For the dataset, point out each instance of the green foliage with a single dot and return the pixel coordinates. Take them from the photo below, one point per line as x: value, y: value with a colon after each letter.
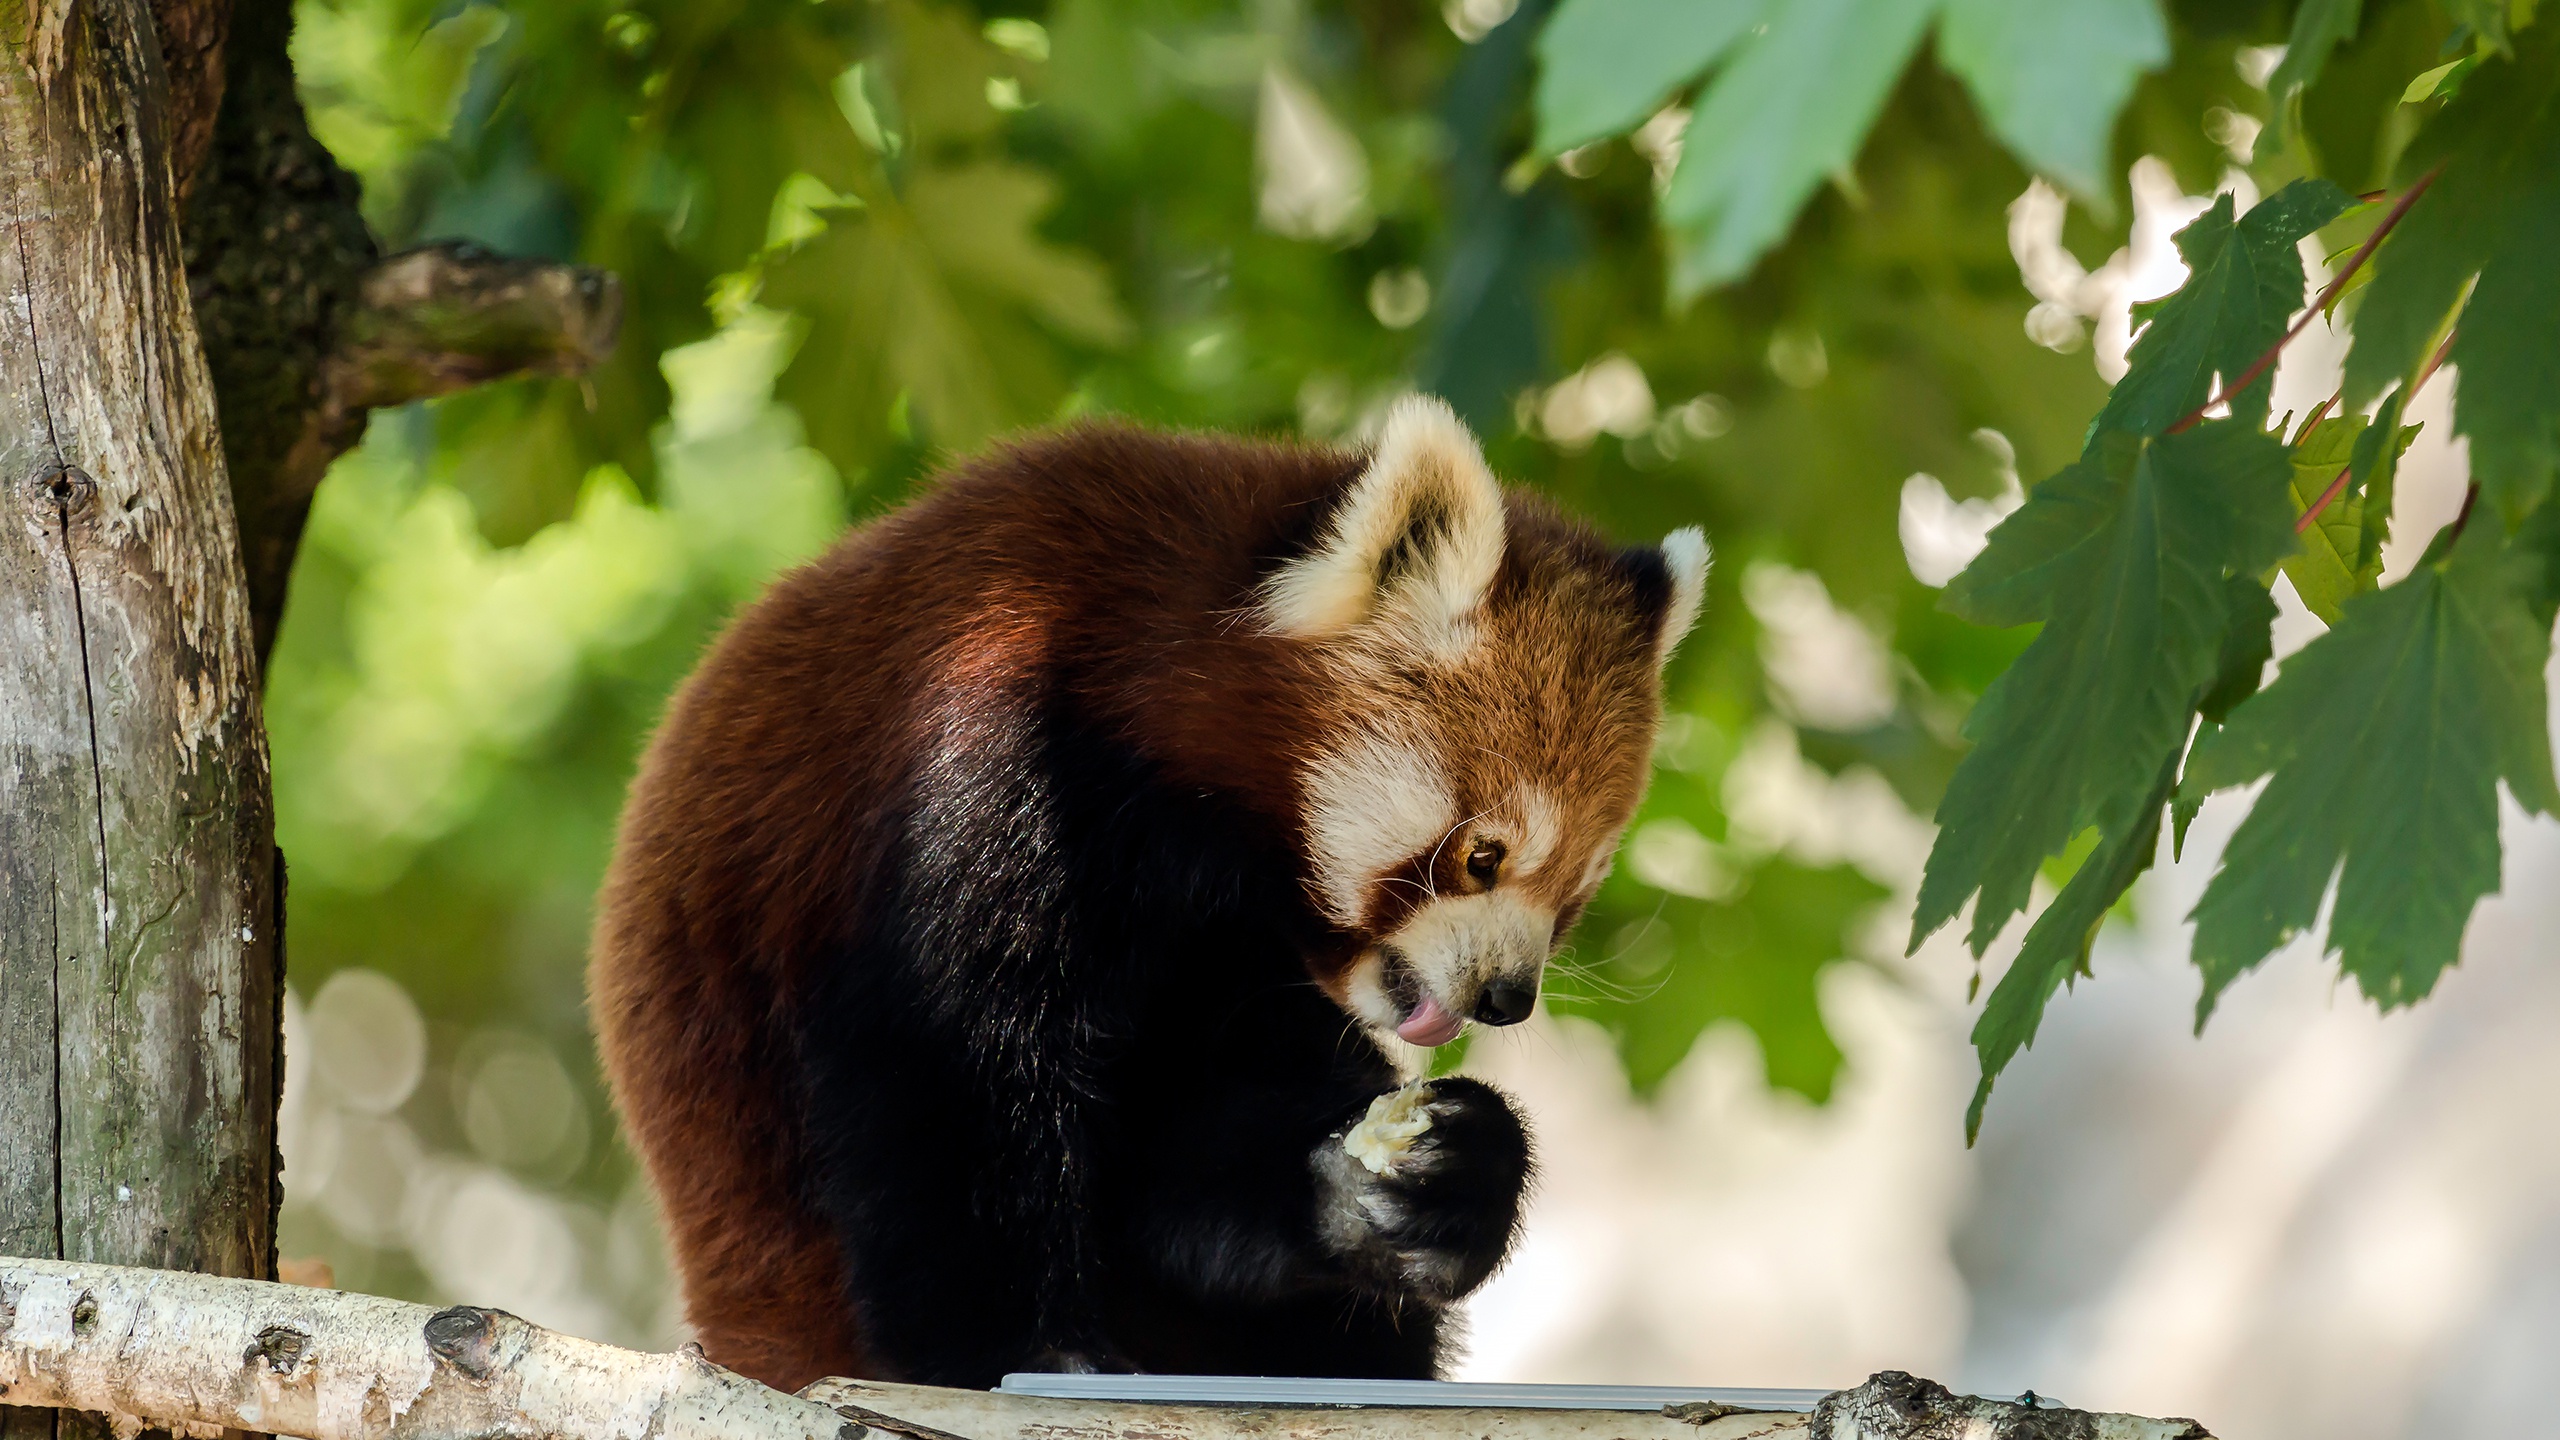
x: 2145, y: 562
x: 2386, y: 739
x: 2328, y: 565
x: 2051, y: 75
x: 2485, y: 223
x: 2057, y: 945
x: 1789, y: 110
x: 1609, y: 64
x: 2244, y: 283
x: 2319, y: 26
x: 1801, y: 83
x: 2122, y: 558
x: 1754, y: 957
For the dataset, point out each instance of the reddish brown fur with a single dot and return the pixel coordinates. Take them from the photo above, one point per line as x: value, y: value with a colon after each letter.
x: 1118, y: 565
x: 1563, y: 620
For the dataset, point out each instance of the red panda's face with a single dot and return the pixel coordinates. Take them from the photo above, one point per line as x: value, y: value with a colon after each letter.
x: 1492, y: 680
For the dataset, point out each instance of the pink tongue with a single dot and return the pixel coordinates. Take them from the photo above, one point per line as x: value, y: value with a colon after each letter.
x: 1429, y: 1024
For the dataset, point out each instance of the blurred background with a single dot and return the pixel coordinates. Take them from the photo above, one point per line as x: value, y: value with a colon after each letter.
x: 861, y: 235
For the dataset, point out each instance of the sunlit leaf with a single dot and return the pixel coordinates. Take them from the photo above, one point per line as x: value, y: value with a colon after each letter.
x: 2244, y: 284
x: 1604, y: 65
x: 2328, y: 565
x: 2050, y: 76
x: 1789, y: 108
x: 2372, y: 476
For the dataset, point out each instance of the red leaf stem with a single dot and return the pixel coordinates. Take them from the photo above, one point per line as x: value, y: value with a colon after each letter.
x: 2462, y: 517
x: 2363, y: 253
x: 2318, y: 413
x: 2313, y: 514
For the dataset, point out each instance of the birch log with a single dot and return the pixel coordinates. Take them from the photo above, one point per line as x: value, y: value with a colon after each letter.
x: 196, y: 1355
x: 138, y: 961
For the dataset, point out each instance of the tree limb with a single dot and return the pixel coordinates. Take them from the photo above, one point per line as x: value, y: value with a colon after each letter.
x: 438, y: 319
x: 442, y: 318
x: 195, y: 1354
x: 306, y: 327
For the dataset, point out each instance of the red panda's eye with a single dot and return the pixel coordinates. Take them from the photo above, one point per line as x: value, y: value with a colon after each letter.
x: 1485, y: 861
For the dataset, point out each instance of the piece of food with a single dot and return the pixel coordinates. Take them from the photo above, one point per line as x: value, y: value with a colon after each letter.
x: 1395, y: 1120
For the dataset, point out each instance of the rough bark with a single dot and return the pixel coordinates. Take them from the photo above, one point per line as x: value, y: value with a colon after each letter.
x: 138, y: 975
x: 191, y: 34
x: 275, y: 247
x: 307, y: 329
x: 193, y: 1354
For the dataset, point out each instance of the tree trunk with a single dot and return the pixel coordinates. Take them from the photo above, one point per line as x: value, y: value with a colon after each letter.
x: 140, y: 890
x: 138, y: 950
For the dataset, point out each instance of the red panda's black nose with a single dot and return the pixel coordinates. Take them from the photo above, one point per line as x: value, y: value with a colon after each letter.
x: 1506, y: 1002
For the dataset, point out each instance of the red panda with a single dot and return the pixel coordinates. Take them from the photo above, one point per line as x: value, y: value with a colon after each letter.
x: 1021, y: 903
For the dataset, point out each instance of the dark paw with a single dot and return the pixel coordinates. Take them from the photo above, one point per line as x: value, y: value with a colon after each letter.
x: 1423, y: 1201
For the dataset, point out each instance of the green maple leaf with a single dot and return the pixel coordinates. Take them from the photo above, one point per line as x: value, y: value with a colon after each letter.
x: 1605, y: 65
x: 927, y: 287
x: 2248, y: 643
x: 944, y: 292
x: 2372, y: 474
x: 2050, y: 76
x: 2334, y: 561
x: 2318, y: 27
x: 1790, y: 107
x: 2126, y: 558
x: 2490, y: 213
x: 2057, y: 945
x: 2243, y: 286
x: 2247, y: 646
x: 2386, y: 739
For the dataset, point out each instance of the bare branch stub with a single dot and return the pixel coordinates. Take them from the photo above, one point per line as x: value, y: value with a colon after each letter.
x: 442, y: 318
x: 445, y: 317
x: 1892, y: 1405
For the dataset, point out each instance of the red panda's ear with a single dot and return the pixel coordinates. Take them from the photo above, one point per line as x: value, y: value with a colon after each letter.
x: 1412, y: 550
x: 1685, y: 552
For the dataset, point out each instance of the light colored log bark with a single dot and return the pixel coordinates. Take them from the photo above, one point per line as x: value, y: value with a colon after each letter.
x: 138, y: 967
x: 196, y: 1354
